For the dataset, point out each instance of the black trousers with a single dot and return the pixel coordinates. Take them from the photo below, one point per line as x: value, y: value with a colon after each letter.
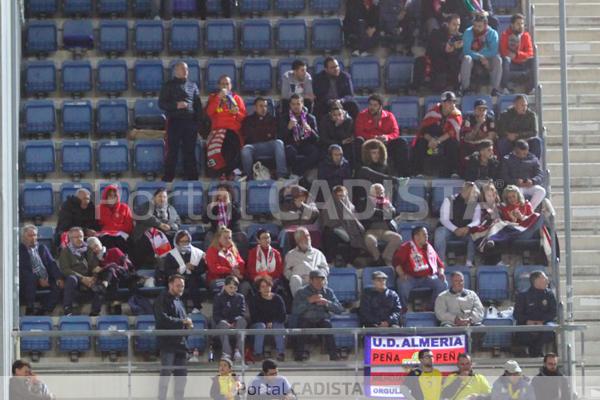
x: 448, y: 157
x: 29, y: 285
x: 181, y: 133
x: 324, y: 323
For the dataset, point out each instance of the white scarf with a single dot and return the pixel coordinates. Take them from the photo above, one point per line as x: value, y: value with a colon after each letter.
x: 229, y: 256
x: 195, y: 258
x: 265, y: 264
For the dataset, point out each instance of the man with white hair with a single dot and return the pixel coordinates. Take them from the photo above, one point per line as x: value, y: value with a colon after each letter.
x: 77, y: 210
x: 37, y: 269
x: 303, y: 259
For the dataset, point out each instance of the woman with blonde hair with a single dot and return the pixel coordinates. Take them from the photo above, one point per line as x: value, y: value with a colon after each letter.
x: 223, y: 259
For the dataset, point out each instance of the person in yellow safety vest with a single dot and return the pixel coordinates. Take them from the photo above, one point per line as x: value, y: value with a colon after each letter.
x: 513, y: 385
x: 465, y: 383
x: 425, y: 381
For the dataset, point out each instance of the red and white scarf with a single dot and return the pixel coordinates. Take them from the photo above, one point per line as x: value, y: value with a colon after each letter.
x: 479, y: 40
x: 265, y: 264
x: 229, y: 255
x: 418, y: 264
x: 222, y: 214
x: 214, y: 150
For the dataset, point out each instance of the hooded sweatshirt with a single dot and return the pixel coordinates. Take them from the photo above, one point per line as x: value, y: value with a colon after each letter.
x: 115, y: 218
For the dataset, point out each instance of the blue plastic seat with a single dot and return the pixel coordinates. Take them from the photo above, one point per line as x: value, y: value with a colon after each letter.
x: 365, y: 73
x: 412, y: 198
x: 77, y: 117
x: 367, y: 279
x: 40, y: 37
x: 521, y: 276
x: 114, y: 37
x: 78, y: 34
x: 442, y: 188
x: 37, y: 200
x: 362, y: 102
x: 254, y: 6
x: 112, y: 76
x: 429, y: 102
x: 262, y: 197
x: 112, y: 7
x: 215, y: 68
x: 82, y: 8
x: 185, y: 7
x: 292, y: 35
x: 76, y: 156
x: 252, y: 229
x: 500, y: 340
x: 398, y: 73
x: 46, y: 236
x: 466, y: 271
x: 41, y: 8
x: 144, y: 191
x: 255, y: 35
x: 40, y: 77
x: 220, y: 36
x: 405, y: 229
x: 327, y: 35
x: 289, y: 6
x: 40, y: 117
x: 149, y: 36
x: 36, y: 343
x: 38, y: 157
x: 198, y: 342
x: 188, y: 199
x: 112, y: 323
x: 467, y: 104
x: 257, y: 75
x: 149, y: 156
x: 185, y: 36
x: 76, y: 77
x: 112, y: 117
x: 319, y: 63
x: 325, y: 6
x: 112, y: 156
x: 74, y: 343
x: 69, y: 189
x: 503, y: 20
x: 344, y: 321
x: 492, y: 282
x: 147, y: 115
x: 123, y: 188
x: 145, y: 344
x: 420, y: 319
x: 406, y: 110
x: 213, y: 7
x: 142, y: 8
x: 149, y: 75
x: 344, y: 283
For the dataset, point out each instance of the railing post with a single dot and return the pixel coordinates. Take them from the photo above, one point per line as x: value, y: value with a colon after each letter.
x: 129, y: 362
x: 356, y: 353
x: 583, y: 385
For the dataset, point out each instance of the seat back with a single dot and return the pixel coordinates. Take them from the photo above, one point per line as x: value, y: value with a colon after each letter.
x: 37, y: 200
x: 78, y: 34
x: 289, y: 6
x: 41, y: 8
x: 422, y: 319
x: 76, y: 156
x: 367, y: 279
x: 112, y: 7
x: 36, y: 324
x: 112, y: 76
x: 188, y: 199
x: 40, y: 117
x: 412, y: 198
x: 398, y: 72
x: 407, y: 111
x: 145, y: 344
x: 112, y: 323
x: 492, y: 283
x: 325, y: 6
x: 198, y: 342
x: 254, y: 6
x: 257, y: 75
x: 442, y: 188
x: 77, y: 117
x: 365, y: 73
x: 292, y: 35
x: 112, y: 156
x: 185, y: 36
x: 46, y: 236
x: 114, y: 36
x: 149, y: 36
x: 40, y: 37
x: 149, y: 156
x: 344, y: 283
x: 521, y: 276
x: 220, y: 36
x: 147, y: 115
x: 215, y: 68
x: 70, y: 189
x: 39, y: 157
x: 40, y: 77
x: 76, y: 76
x: 500, y: 340
x: 112, y: 117
x: 255, y: 35
x: 144, y: 191
x: 82, y: 8
x: 327, y: 35
x: 344, y: 321
x: 68, y: 343
x: 185, y: 7
x: 262, y: 197
x: 149, y: 75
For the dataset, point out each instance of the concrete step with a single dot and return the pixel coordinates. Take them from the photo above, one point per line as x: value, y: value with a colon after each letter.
x: 551, y: 9
x: 580, y: 198
x: 584, y: 113
x: 592, y: 20
x: 572, y: 59
x: 550, y: 34
x: 583, y: 270
x: 578, y: 155
x: 586, y: 309
x: 576, y: 182
x: 578, y: 130
x: 583, y: 219
x: 584, y: 257
x: 552, y: 88
x: 582, y: 242
x: 575, y: 100
x: 573, y: 47
x: 584, y: 286
x: 577, y: 169
x: 587, y: 73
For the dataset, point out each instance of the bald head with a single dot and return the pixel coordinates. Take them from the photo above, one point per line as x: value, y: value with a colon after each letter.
x: 181, y: 70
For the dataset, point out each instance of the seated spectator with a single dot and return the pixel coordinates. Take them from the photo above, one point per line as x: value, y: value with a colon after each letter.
x: 458, y: 306
x: 361, y: 24
x: 78, y: 272
x: 226, y: 385
x: 523, y: 169
x: 226, y: 111
x: 480, y: 49
x: 222, y: 211
x: 380, y: 306
x: 267, y: 311
x: 465, y: 384
x: 37, y: 270
x: 298, y: 130
x: 335, y: 169
x: 115, y: 219
x: 303, y: 259
x: 518, y: 122
x: 111, y: 269
x: 337, y: 127
x: 156, y: 224
x: 264, y: 260
x: 187, y: 261
x: 512, y: 381
x: 270, y: 385
x: 438, y: 136
x: 313, y: 306
x: 25, y: 385
x: 551, y: 383
x: 380, y: 226
x: 490, y: 221
x: 297, y: 81
x: 77, y: 210
x: 333, y: 84
x: 297, y: 208
x: 223, y: 259
x: 536, y: 306
x: 458, y: 214
x: 424, y: 382
x: 260, y: 137
x: 229, y: 307
x: 374, y: 164
x: 477, y: 127
x: 516, y: 49
x: 418, y: 265
x: 483, y: 164
x: 377, y: 123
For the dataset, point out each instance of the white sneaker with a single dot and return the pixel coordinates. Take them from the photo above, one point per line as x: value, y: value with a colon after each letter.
x: 364, y: 54
x: 469, y: 264
x: 196, y: 311
x: 237, y: 356
x: 194, y: 359
x: 356, y: 53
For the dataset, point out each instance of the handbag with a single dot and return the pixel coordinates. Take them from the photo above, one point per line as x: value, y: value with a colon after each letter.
x: 260, y: 172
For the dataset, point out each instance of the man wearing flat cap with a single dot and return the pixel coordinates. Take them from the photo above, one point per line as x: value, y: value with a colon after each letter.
x: 379, y: 306
x: 513, y: 384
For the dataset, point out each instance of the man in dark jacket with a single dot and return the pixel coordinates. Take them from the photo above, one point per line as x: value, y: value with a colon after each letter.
x: 550, y: 383
x: 361, y: 26
x: 523, y: 169
x: 518, y: 122
x: 483, y: 165
x: 337, y: 127
x: 333, y: 84
x: 78, y: 210
x: 260, y: 136
x: 169, y: 313
x: 229, y: 308
x: 536, y: 306
x: 380, y: 306
x: 37, y: 269
x: 180, y: 99
x: 335, y: 168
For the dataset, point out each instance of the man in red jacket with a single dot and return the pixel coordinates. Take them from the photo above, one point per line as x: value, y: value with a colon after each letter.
x: 516, y: 49
x: 418, y: 265
x: 376, y: 123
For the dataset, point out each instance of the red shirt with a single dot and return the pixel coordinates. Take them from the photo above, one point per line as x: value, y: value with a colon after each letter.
x: 251, y: 265
x: 402, y: 258
x: 219, y: 267
x: 451, y: 124
x: 117, y: 217
x: 525, y: 209
x: 525, y: 50
x: 221, y: 118
x: 367, y: 128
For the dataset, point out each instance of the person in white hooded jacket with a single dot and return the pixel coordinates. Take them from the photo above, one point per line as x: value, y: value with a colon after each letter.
x: 458, y: 306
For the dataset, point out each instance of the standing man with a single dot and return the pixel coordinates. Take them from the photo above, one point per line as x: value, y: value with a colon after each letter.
x: 180, y: 99
x: 169, y: 313
x: 550, y: 383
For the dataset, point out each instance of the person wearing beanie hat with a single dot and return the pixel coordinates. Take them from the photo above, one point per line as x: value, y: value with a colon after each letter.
x: 512, y: 384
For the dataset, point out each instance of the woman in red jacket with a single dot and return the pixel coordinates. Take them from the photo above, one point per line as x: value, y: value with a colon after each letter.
x: 223, y: 259
x: 116, y: 220
x: 264, y: 259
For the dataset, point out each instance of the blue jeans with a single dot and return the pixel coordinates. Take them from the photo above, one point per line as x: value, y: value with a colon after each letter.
x: 259, y: 340
x: 431, y: 282
x: 172, y: 363
x: 272, y: 148
x: 443, y: 235
x: 505, y: 146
